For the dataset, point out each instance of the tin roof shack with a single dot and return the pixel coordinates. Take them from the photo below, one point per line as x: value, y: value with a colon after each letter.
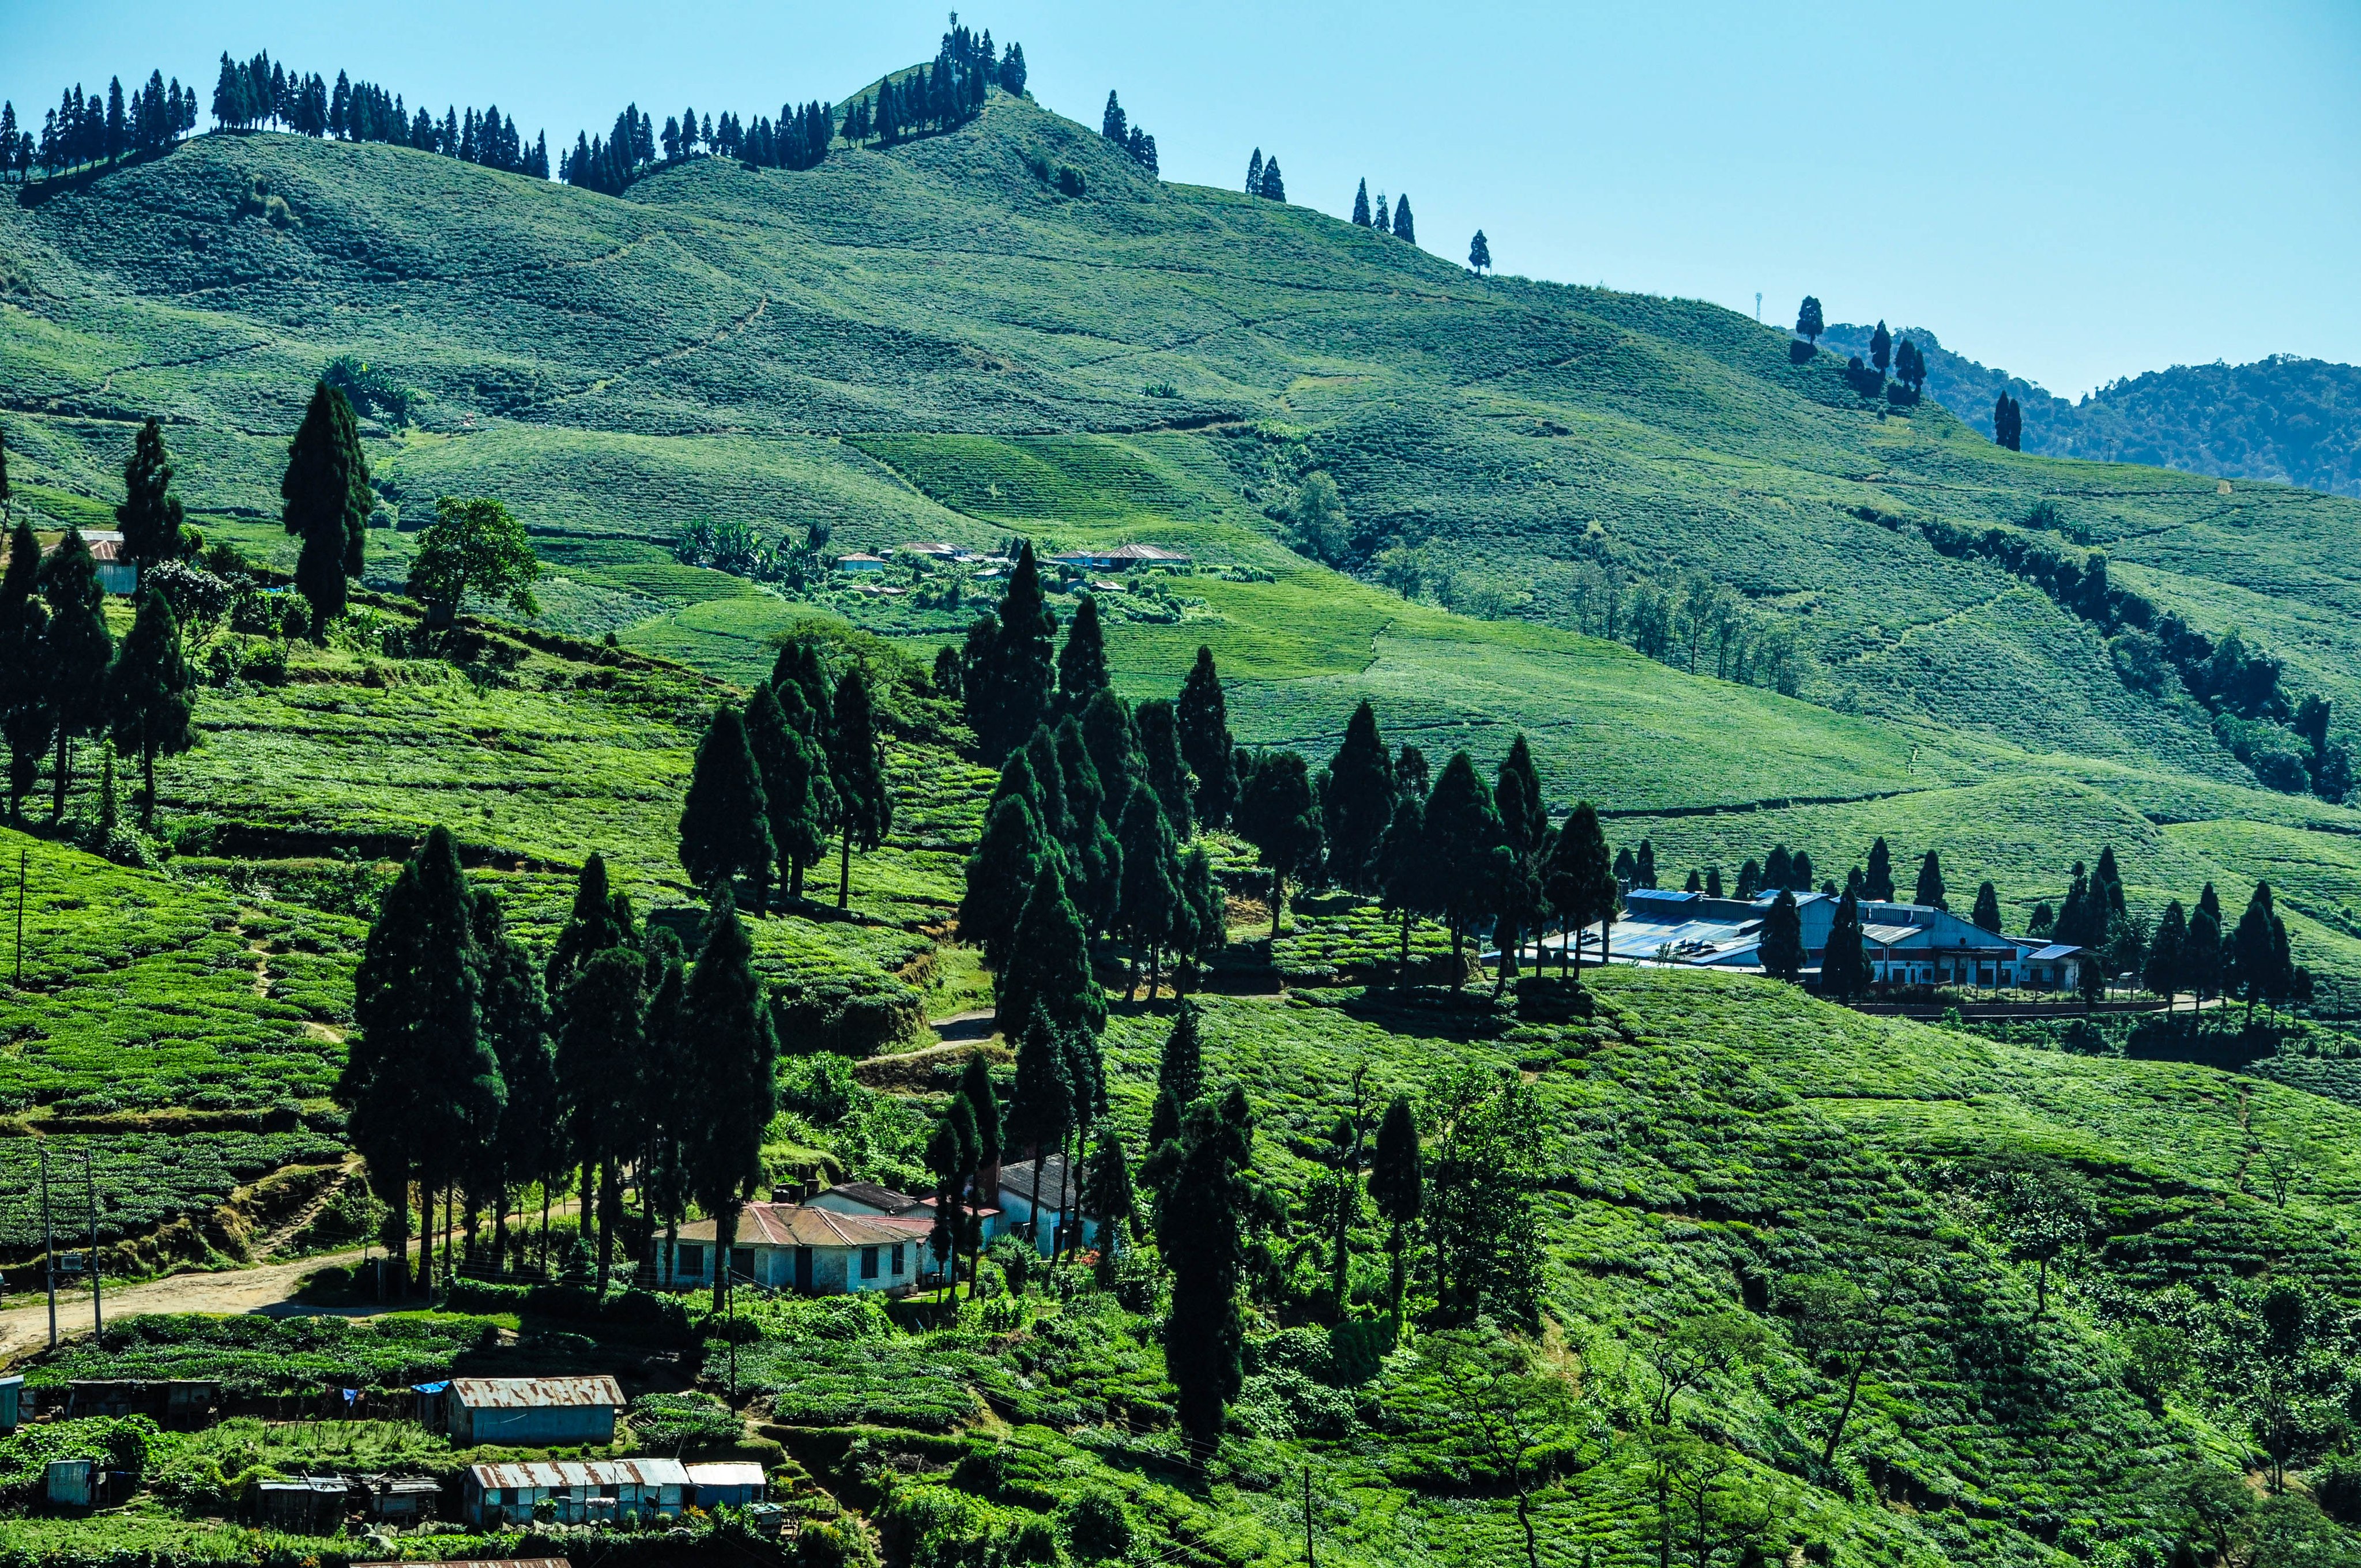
x: 534, y: 1412
x: 181, y: 1405
x: 810, y: 1248
x: 731, y: 1485
x: 313, y: 1506
x: 588, y: 1491
x: 70, y: 1483
x: 396, y: 1500
x: 12, y: 1402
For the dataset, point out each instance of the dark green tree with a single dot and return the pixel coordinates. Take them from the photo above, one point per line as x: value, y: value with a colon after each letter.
x: 728, y: 1021
x: 724, y: 829
x: 1404, y: 229
x: 1644, y: 865
x: 1205, y: 743
x: 150, y: 517
x: 1844, y: 963
x: 799, y: 680
x: 1878, y: 881
x: 151, y: 695
x: 1484, y: 1162
x: 1008, y: 674
x: 1479, y: 254
x: 856, y: 766
x: 1361, y: 205
x: 1783, y: 938
x: 1809, y: 323
x: 1113, y: 742
x: 1202, y: 1222
x: 2166, y: 970
x: 1398, y: 1187
x: 2107, y: 886
x: 1409, y: 883
x: 1089, y: 839
x: 1200, y: 927
x: 1007, y: 861
x: 2252, y: 959
x: 798, y: 793
x: 952, y: 1156
x: 1151, y: 884
x: 1082, y: 663
x: 1110, y: 1201
x: 1041, y: 1101
x: 1579, y: 883
x: 75, y: 654
x: 1463, y: 828
x: 328, y: 502
x: 1164, y: 768
x: 1930, y: 890
x: 600, y: 918
x: 1358, y: 804
x: 1050, y: 963
x: 26, y: 717
x: 1880, y: 348
x: 1986, y: 917
x: 1519, y: 903
x: 2202, y: 956
x: 599, y: 1058
x: 527, y: 1145
x: 1278, y: 814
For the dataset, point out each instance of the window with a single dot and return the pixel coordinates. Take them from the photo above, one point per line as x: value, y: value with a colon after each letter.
x: 691, y: 1261
x: 742, y: 1262
x: 869, y: 1263
x: 897, y: 1259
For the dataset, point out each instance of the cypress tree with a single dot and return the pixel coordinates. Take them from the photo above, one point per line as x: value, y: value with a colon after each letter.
x: 1520, y: 900
x: 1783, y: 938
x: 1050, y: 963
x: 1479, y: 254
x: 1403, y: 228
x: 1082, y: 664
x: 76, y: 653
x: 1750, y: 880
x: 1254, y: 173
x: 1000, y: 875
x: 1778, y: 868
x: 728, y: 1021
x: 1206, y: 744
x: 1844, y: 963
x: 599, y: 1056
x: 2107, y: 884
x: 1113, y: 742
x: 2165, y: 972
x: 1151, y: 889
x: 1880, y: 348
x: 1010, y: 690
x: 1274, y: 187
x: 798, y: 793
x: 328, y: 502
x: 1930, y: 890
x: 1280, y: 815
x: 1162, y: 765
x: 151, y: 695
x: 1041, y: 1101
x: 1643, y: 866
x: 1404, y: 869
x: 1095, y: 852
x: 951, y: 1155
x: 856, y: 765
x: 799, y: 680
x: 1398, y: 1187
x: 1578, y: 882
x: 2252, y: 970
x: 26, y: 716
x: 1987, y: 911
x: 1201, y: 1226
x: 1463, y: 828
x: 1809, y: 322
x: 1358, y: 804
x: 1200, y: 927
x: 149, y: 516
x: 1361, y: 205
x: 1109, y: 1198
x: 725, y: 831
x: 515, y: 1013
x: 601, y: 918
x: 2201, y: 958
x: 1879, y: 880
x: 1048, y: 775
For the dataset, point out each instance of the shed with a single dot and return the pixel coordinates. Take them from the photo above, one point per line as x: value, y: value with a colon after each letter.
x: 591, y: 1491
x: 403, y: 1499
x: 12, y: 1401
x: 313, y: 1505
x: 860, y: 563
x: 731, y: 1485
x: 533, y: 1411
x: 71, y: 1483
x: 810, y: 1248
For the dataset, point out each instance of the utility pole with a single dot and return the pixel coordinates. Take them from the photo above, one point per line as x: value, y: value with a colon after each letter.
x: 49, y: 1246
x: 89, y: 1186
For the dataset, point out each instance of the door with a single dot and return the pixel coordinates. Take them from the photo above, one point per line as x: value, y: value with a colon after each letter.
x: 804, y: 1268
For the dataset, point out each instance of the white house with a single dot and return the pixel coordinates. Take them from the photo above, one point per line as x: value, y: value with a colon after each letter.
x: 596, y: 1491
x: 1907, y: 944
x: 816, y: 1249
x: 1059, y: 1195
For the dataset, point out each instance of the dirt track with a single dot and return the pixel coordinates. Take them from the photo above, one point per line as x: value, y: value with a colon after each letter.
x: 26, y: 1329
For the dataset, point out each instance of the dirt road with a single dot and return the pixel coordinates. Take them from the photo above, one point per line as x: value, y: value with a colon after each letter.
x: 24, y: 1329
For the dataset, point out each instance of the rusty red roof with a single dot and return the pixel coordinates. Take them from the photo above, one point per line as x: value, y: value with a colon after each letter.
x: 555, y: 1474
x: 797, y: 1224
x: 536, y: 1393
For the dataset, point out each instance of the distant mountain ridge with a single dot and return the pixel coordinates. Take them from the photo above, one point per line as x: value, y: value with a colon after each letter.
x: 2286, y: 419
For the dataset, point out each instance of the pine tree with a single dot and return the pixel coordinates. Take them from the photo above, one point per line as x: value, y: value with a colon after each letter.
x: 1809, y: 323
x: 1162, y: 765
x: 1930, y: 890
x: 1109, y: 1199
x: 1041, y: 1101
x: 727, y: 1023
x: 2107, y: 886
x: 1643, y: 866
x: 1750, y: 880
x: 599, y: 1055
x: 1254, y: 173
x: 1274, y: 188
x: 26, y: 718
x: 1579, y: 883
x: 2200, y: 957
x: 1783, y: 938
x: 328, y: 502
x: 1518, y: 901
x: 1844, y: 963
x: 1113, y: 125
x: 1361, y: 205
x: 1200, y: 921
x: 1881, y: 349
x: 1403, y: 228
x: 1008, y: 667
x: 1879, y: 879
x: 856, y: 765
x: 1113, y: 742
x: 1398, y: 1187
x: 1463, y: 828
x: 1000, y: 875
x: 1049, y: 961
x: 1280, y: 815
x: 76, y: 653
x: 1358, y: 804
x: 149, y: 516
x: 787, y: 765
x: 2164, y: 972
x: 1479, y: 254
x: 1091, y: 841
x: 1082, y: 664
x: 515, y: 1014
x: 2253, y: 974
x: 600, y: 918
x: 151, y: 695
x: 1151, y: 882
x: 725, y: 832
x: 1201, y: 1227
x: 1206, y: 742
x: 799, y: 680
x: 1987, y: 911
x: 1408, y: 882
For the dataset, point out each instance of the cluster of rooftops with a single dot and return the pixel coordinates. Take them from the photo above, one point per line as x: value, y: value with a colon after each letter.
x: 1121, y: 558
x: 1907, y: 944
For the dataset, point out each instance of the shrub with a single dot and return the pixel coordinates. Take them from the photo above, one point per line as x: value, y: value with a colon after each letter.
x: 682, y: 1423
x: 1097, y: 1529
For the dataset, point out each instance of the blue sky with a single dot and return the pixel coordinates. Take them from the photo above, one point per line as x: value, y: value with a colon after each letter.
x: 2071, y: 191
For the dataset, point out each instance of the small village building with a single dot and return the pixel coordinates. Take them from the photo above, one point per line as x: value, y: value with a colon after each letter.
x: 860, y: 563
x: 70, y: 1483
x: 1121, y: 558
x: 313, y: 1505
x: 815, y: 1249
x: 534, y: 1412
x: 116, y: 574
x: 731, y: 1485
x: 12, y: 1401
x: 588, y: 1491
x: 936, y: 550
x: 868, y: 1197
x: 1059, y: 1195
x: 1905, y: 944
x: 403, y: 1499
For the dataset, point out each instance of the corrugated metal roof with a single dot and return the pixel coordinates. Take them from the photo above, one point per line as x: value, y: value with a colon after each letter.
x: 557, y: 1474
x: 536, y: 1393
x: 797, y: 1224
x: 732, y: 1473
x: 885, y: 1200
x: 1016, y: 1181
x: 2052, y: 954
